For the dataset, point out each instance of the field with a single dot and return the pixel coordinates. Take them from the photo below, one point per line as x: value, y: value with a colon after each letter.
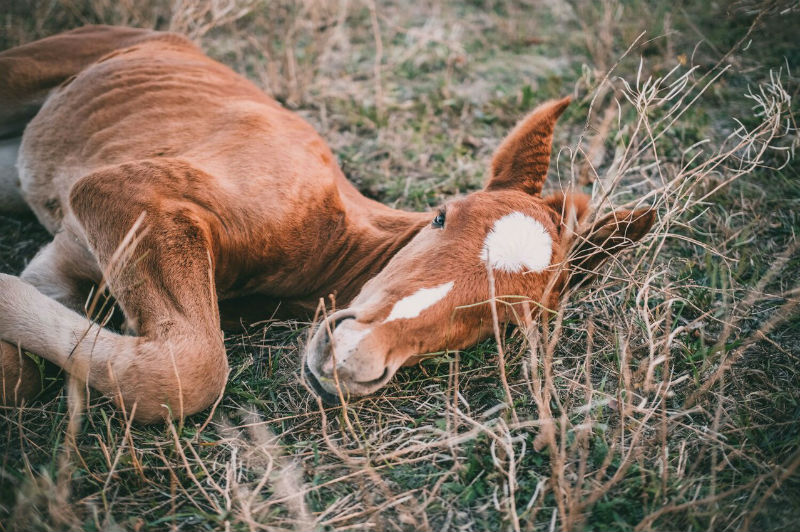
x: 665, y: 396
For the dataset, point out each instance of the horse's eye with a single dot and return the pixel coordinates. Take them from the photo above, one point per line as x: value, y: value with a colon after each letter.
x: 438, y: 222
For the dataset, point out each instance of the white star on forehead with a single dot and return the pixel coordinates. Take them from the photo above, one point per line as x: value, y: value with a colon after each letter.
x: 517, y: 242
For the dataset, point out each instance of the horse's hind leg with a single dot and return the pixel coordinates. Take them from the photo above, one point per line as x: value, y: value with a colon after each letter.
x: 63, y: 270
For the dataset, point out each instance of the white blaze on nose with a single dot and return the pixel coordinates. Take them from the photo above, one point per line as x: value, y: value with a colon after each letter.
x: 411, y: 306
x: 517, y: 242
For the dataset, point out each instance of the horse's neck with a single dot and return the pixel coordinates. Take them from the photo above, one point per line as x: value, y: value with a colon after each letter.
x: 374, y: 234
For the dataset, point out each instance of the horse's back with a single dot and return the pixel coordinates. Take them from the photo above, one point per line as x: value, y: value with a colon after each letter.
x: 163, y: 98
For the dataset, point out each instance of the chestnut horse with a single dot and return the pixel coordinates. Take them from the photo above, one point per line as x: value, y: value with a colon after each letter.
x: 194, y: 198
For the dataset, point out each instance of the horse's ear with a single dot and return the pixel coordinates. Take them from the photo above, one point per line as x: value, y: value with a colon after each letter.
x: 604, y: 238
x: 568, y: 210
x: 522, y: 159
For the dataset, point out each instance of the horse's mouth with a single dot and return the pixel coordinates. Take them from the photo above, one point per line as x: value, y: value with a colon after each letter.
x: 332, y: 399
x: 328, y: 398
x: 376, y: 382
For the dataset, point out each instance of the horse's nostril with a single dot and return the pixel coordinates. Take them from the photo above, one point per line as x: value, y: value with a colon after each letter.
x: 340, y: 319
x: 330, y: 326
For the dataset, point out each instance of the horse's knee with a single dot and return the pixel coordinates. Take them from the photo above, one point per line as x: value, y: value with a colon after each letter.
x: 19, y: 376
x: 182, y: 381
x: 203, y: 379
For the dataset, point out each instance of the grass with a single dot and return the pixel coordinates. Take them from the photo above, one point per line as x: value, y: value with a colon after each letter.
x: 666, y: 396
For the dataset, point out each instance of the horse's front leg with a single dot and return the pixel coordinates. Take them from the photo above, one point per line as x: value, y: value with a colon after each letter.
x: 162, y: 277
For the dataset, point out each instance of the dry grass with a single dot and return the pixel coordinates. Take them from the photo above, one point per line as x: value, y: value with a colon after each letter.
x: 664, y: 396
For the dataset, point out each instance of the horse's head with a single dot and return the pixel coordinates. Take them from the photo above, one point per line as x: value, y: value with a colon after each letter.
x: 436, y: 293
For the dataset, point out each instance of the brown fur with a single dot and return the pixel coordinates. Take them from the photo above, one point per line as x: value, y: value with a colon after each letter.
x: 230, y: 201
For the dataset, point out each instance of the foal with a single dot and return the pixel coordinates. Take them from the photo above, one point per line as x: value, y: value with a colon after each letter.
x: 194, y: 198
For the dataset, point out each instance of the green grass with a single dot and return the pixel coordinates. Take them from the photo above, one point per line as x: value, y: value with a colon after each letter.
x: 439, y: 448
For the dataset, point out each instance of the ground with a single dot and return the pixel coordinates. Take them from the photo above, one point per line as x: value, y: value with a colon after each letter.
x: 664, y: 397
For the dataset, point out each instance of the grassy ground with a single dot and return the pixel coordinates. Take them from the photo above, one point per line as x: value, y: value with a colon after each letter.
x: 665, y: 397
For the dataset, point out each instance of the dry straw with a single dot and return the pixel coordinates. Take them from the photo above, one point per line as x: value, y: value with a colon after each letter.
x: 596, y: 393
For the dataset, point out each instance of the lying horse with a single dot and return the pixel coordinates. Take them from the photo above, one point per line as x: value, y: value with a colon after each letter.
x: 196, y: 200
